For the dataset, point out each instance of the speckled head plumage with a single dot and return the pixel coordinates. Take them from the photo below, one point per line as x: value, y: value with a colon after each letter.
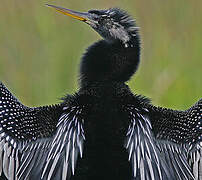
x: 114, y: 24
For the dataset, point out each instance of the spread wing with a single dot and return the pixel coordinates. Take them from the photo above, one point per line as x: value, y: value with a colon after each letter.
x: 183, y: 128
x: 164, y: 144
x: 42, y: 143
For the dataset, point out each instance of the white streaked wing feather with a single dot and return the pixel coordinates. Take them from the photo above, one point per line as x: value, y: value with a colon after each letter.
x: 53, y: 166
x: 68, y: 140
x: 145, y: 152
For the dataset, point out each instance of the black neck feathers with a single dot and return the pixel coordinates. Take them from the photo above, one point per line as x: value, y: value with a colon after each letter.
x: 107, y: 62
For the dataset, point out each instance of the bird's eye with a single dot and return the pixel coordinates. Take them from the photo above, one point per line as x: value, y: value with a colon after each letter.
x: 96, y: 18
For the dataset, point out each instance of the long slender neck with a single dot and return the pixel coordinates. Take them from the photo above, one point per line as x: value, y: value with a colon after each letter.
x: 107, y: 62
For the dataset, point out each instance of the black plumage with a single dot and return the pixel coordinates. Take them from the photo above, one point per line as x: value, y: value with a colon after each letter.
x: 103, y: 131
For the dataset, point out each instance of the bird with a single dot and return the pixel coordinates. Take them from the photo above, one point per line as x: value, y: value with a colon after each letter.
x: 104, y: 130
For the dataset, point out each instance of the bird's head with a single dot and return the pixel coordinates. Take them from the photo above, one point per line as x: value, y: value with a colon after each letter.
x: 114, y: 59
x: 112, y: 24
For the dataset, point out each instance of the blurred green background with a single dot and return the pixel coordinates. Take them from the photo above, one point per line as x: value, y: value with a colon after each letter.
x: 40, y: 49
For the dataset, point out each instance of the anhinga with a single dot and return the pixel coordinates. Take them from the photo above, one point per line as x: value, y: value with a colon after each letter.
x: 103, y: 131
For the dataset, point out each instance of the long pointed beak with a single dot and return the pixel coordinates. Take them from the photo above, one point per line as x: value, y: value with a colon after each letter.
x: 82, y: 16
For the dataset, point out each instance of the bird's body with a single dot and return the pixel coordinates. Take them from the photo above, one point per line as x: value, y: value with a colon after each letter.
x: 104, y: 131
x: 105, y: 127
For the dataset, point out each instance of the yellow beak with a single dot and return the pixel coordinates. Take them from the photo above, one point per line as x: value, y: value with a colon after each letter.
x: 76, y: 15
